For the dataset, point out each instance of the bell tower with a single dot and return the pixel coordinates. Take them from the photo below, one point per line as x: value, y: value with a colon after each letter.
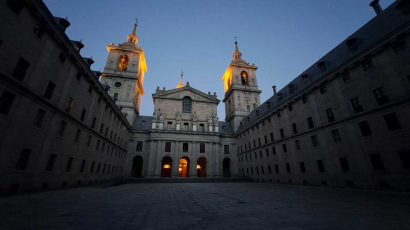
x: 123, y: 75
x: 241, y: 89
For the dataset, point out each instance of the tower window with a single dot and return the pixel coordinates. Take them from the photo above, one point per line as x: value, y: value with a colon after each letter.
x: 123, y: 63
x: 6, y: 101
x: 244, y: 78
x: 186, y: 105
x: 20, y: 69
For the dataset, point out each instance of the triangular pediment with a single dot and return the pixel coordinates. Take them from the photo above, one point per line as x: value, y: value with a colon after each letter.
x: 179, y: 94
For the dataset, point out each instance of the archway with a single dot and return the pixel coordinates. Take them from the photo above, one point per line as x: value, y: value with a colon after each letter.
x: 183, y: 168
x: 166, y: 166
x: 201, y: 167
x: 226, y: 165
x: 137, y: 166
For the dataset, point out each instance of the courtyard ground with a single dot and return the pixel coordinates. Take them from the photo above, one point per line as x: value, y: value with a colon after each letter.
x: 206, y: 206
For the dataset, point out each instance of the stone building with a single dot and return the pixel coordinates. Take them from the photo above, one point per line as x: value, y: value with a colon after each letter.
x: 58, y: 126
x: 343, y: 121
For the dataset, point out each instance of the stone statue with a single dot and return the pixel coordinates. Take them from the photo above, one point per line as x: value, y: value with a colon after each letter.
x: 161, y: 117
x: 210, y: 120
x: 216, y: 119
x: 155, y: 116
x: 194, y: 117
x: 178, y: 117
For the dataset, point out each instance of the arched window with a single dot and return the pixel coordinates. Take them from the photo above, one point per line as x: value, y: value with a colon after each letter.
x: 123, y: 63
x: 186, y: 105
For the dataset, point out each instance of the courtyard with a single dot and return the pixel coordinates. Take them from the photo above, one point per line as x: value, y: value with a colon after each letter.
x: 206, y: 206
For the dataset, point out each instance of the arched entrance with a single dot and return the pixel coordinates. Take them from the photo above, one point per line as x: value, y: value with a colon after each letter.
x: 183, y: 168
x: 226, y: 165
x: 137, y: 166
x: 166, y: 166
x: 201, y: 167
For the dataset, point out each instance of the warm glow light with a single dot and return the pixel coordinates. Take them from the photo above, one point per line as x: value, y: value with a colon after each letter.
x: 167, y: 166
x: 180, y: 169
x: 227, y: 78
x: 142, y: 67
x: 198, y: 167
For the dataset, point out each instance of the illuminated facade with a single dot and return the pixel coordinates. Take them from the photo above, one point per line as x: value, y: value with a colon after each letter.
x: 123, y: 75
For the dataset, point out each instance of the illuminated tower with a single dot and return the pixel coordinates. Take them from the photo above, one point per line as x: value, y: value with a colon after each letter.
x: 241, y: 89
x: 123, y: 75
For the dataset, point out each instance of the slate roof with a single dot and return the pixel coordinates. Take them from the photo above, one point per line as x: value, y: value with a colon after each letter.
x: 394, y: 19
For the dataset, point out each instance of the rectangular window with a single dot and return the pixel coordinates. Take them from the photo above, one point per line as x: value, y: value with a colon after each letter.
x: 271, y: 137
x: 77, y: 135
x: 304, y: 99
x: 89, y: 140
x: 139, y: 146
x: 167, y: 147
x: 297, y: 144
x: 357, y: 107
x: 267, y: 152
x: 49, y: 90
x: 101, y: 127
x: 69, y: 164
x: 302, y: 167
x: 282, y: 133
x: 392, y: 122
x: 294, y: 128
x: 92, y: 167
x: 320, y: 166
x: 69, y: 105
x: 78, y: 76
x: 51, y: 161
x: 23, y: 159
x: 322, y: 88
x: 310, y: 122
x: 287, y: 167
x: 83, y: 113
x: 6, y: 101
x: 38, y: 31
x: 376, y: 161
x: 61, y: 57
x: 330, y: 115
x: 273, y: 150
x: 276, y: 168
x: 82, y: 166
x: 201, y: 147
x: 97, y: 146
x: 186, y: 126
x: 93, y: 123
x: 269, y: 169
x: 285, y: 149
x: 380, y: 96
x: 259, y: 142
x: 201, y: 127
x: 38, y: 119
x: 169, y: 125
x: 344, y: 164
x: 20, y: 70
x: 365, y: 128
x: 61, y: 131
x: 405, y: 158
x: 315, y: 142
x: 336, y: 135
x: 226, y: 149
x: 266, y: 139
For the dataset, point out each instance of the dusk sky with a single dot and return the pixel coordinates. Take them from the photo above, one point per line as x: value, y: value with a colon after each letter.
x: 282, y: 37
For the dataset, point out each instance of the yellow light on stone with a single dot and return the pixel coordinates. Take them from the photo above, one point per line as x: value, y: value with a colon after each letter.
x: 142, y: 67
x: 198, y: 167
x: 167, y: 166
x: 227, y: 78
x: 179, y: 169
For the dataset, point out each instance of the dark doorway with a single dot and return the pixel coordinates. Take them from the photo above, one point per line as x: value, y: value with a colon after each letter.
x: 166, y: 167
x: 137, y: 166
x: 226, y: 165
x: 201, y: 167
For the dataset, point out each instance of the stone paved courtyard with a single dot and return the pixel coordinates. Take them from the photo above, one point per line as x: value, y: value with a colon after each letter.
x: 206, y: 206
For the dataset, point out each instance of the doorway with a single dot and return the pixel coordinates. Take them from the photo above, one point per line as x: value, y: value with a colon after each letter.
x: 226, y: 165
x: 183, y: 169
x: 166, y: 166
x: 201, y: 167
x: 137, y: 166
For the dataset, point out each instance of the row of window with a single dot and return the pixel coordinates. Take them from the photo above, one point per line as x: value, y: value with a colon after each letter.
x: 23, y: 160
x: 391, y: 121
x: 375, y: 160
x: 185, y: 149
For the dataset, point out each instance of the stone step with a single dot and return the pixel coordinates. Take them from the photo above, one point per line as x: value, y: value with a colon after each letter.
x: 189, y: 180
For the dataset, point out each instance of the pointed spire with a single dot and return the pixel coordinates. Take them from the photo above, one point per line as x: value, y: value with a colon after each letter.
x: 132, y: 38
x: 134, y: 30
x: 237, y: 55
x: 181, y: 80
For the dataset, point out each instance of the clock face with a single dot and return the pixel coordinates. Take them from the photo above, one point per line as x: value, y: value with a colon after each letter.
x: 244, y: 77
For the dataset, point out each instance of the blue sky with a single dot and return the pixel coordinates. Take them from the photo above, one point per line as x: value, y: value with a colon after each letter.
x: 282, y: 37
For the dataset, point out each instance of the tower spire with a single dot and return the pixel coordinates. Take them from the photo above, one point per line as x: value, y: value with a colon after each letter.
x: 132, y: 38
x: 181, y: 80
x: 237, y: 55
x: 134, y: 30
